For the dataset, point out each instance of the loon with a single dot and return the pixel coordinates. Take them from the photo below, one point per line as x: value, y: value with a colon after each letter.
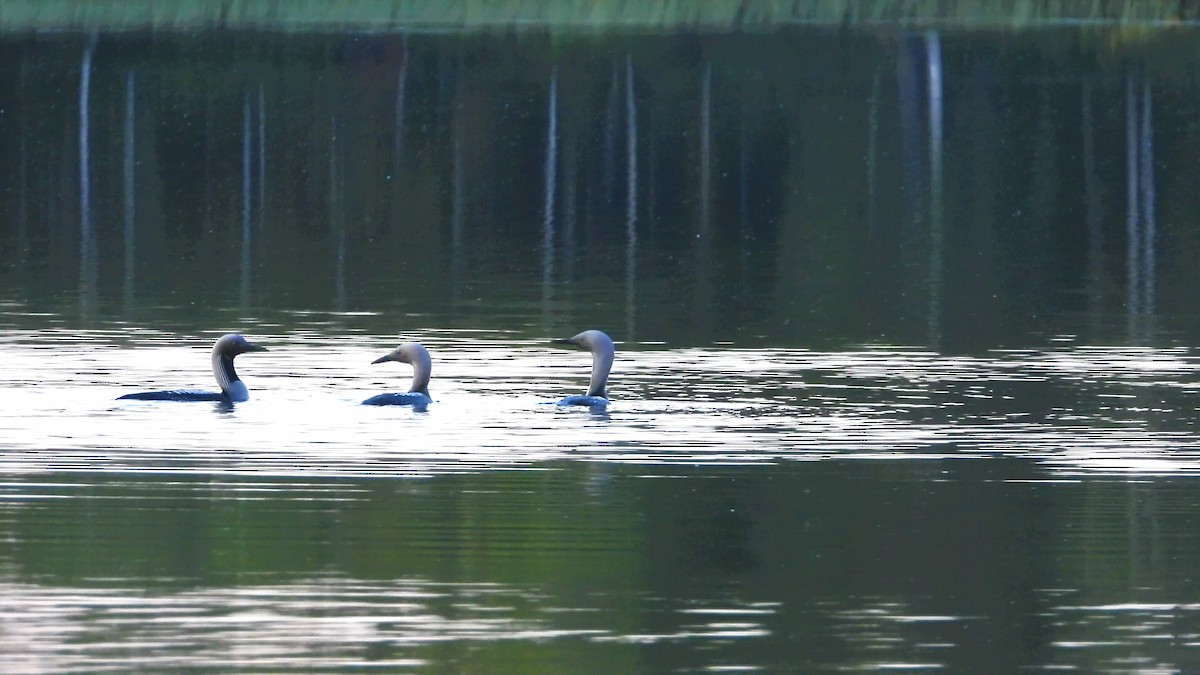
x: 418, y: 394
x: 601, y: 347
x: 233, y: 390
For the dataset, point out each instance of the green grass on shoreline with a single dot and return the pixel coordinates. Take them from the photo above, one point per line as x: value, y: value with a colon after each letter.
x: 717, y: 16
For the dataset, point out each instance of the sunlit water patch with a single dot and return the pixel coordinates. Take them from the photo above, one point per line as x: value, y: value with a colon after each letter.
x: 1085, y: 409
x: 313, y: 624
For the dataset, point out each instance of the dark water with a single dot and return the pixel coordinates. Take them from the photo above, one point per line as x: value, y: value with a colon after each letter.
x: 904, y: 374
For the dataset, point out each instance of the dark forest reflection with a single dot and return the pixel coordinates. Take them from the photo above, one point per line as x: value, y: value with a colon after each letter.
x: 836, y: 484
x: 957, y: 191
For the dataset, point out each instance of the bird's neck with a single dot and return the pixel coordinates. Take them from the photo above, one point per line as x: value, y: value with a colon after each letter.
x: 601, y: 365
x: 223, y: 371
x: 421, y: 371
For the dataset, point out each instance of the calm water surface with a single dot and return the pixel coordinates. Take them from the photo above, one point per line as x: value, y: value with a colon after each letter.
x: 905, y: 377
x: 735, y: 508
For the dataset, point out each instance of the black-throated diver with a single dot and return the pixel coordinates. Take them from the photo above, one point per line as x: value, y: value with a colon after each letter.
x: 601, y: 347
x: 418, y: 394
x: 233, y: 390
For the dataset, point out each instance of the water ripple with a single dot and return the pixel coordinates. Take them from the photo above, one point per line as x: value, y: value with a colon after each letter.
x: 1077, y: 410
x: 305, y: 625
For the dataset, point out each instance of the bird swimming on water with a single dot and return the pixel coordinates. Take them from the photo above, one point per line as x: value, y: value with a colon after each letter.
x: 418, y: 394
x: 601, y: 347
x: 233, y: 390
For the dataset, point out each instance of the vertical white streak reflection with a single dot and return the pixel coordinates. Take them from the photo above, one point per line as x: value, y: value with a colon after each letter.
x: 262, y: 158
x: 933, y: 49
x: 456, y: 198
x: 23, y: 171
x: 631, y: 201
x: 401, y: 89
x: 1095, y: 208
x: 127, y: 166
x: 1146, y: 180
x: 704, y: 234
x: 705, y: 150
x: 87, y: 241
x: 650, y: 208
x: 611, y: 113
x: 550, y: 186
x: 743, y: 201
x: 244, y: 288
x: 85, y: 182
x: 1132, y: 260
x: 337, y: 222
x: 872, y: 149
x: 743, y: 173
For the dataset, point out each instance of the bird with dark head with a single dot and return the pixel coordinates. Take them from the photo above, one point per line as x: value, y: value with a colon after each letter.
x: 233, y: 390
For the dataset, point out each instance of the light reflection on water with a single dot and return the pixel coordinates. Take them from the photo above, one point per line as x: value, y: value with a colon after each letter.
x: 307, y: 554
x: 303, y: 625
x: 337, y: 623
x: 1076, y: 409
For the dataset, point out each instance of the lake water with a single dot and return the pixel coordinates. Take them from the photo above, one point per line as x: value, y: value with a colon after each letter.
x: 904, y: 379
